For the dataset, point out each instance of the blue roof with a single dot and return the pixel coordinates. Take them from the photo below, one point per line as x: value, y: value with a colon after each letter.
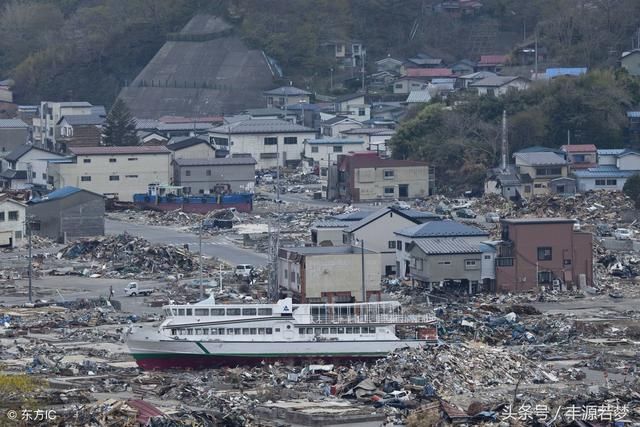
x: 557, y: 72
x: 487, y: 248
x: 633, y: 114
x: 352, y: 216
x: 60, y: 194
x: 603, y: 172
x: 446, y: 228
x: 335, y: 141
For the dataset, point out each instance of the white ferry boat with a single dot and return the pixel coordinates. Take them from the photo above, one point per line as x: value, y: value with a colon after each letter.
x: 207, y: 334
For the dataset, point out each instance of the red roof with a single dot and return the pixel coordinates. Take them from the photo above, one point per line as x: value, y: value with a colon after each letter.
x: 130, y: 149
x: 579, y: 148
x: 492, y: 59
x: 145, y: 410
x: 429, y: 72
x: 372, y: 160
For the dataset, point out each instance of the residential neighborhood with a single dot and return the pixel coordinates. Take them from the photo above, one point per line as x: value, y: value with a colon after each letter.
x: 299, y: 213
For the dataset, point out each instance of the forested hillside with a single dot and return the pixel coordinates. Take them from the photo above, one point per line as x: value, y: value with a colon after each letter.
x: 86, y: 49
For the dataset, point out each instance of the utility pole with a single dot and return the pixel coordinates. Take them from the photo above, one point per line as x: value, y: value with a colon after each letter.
x: 504, y: 141
x: 28, y: 224
x: 331, y: 78
x: 363, y: 56
x: 364, y: 293
x: 200, y: 259
x: 536, y: 52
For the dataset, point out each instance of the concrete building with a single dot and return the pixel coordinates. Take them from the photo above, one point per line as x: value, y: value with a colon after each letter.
x: 215, y: 176
x: 367, y: 176
x: 48, y: 124
x: 352, y: 106
x: 13, y: 134
x: 68, y: 214
x: 377, y: 231
x: 319, y: 152
x: 535, y: 252
x: 286, y: 95
x: 12, y: 217
x: 270, y: 142
x: 499, y: 85
x: 452, y: 264
x: 31, y: 161
x: 440, y: 230
x: 116, y: 172
x: 191, y: 147
x: 329, y: 274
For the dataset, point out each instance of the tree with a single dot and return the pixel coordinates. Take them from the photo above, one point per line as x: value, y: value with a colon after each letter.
x: 120, y: 127
x: 632, y: 189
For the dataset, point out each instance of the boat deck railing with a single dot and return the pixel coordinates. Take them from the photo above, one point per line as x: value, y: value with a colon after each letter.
x: 374, y: 318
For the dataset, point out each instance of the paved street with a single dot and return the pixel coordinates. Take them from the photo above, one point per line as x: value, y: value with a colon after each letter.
x: 214, y: 247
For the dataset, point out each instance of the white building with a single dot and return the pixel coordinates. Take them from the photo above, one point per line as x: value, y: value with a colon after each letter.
x: 33, y: 161
x: 615, y: 166
x: 270, y: 142
x: 113, y: 171
x: 376, y: 139
x: 352, y: 106
x: 338, y: 124
x: 12, y: 217
x: 499, y: 85
x: 320, y: 151
x: 46, y: 125
x: 440, y: 230
x: 377, y: 231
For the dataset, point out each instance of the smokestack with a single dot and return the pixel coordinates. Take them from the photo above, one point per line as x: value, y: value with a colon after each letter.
x: 504, y: 140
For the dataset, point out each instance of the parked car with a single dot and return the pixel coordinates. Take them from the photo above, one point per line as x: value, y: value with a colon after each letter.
x: 442, y: 209
x: 623, y: 234
x: 243, y: 271
x: 465, y: 213
x: 603, y: 230
x: 492, y: 217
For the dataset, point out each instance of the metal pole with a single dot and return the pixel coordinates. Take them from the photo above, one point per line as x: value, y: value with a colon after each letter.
x: 200, y: 259
x: 30, y: 262
x: 364, y: 293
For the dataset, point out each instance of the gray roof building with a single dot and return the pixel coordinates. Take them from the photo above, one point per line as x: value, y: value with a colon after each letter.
x: 255, y: 126
x: 446, y: 228
x: 447, y: 246
x: 540, y: 159
x: 287, y: 91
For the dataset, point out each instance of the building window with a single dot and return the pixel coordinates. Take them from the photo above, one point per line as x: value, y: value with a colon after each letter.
x: 268, y: 155
x: 270, y: 140
x: 44, y: 176
x: 131, y: 159
x: 13, y: 215
x: 601, y: 182
x: 361, y: 111
x: 487, y: 257
x: 18, y: 234
x: 290, y: 140
x: 286, y: 274
x: 337, y: 148
x: 389, y: 191
x: 1, y: 216
x: 544, y: 277
x: 85, y: 178
x: 471, y: 264
x: 33, y: 175
x: 208, y: 172
x: 86, y: 160
x: 398, y: 85
x: 314, y: 149
x: 131, y: 176
x: 548, y: 171
x: 544, y: 253
x: 419, y: 264
x: 444, y: 262
x: 392, y: 244
x: 612, y: 182
x: 187, y: 173
x: 538, y: 185
x: 527, y: 189
x: 114, y: 178
x: 504, y: 262
x: 201, y: 191
x: 389, y: 174
x: 113, y: 160
x: 566, y: 262
x: 399, y: 245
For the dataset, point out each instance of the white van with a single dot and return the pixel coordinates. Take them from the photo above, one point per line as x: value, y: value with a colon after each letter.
x: 243, y: 271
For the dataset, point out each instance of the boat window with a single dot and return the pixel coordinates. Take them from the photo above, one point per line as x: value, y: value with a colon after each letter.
x: 173, y: 332
x: 175, y: 312
x: 189, y: 312
x: 233, y: 312
x: 198, y: 331
x: 189, y: 331
x: 265, y: 311
x: 245, y: 331
x: 181, y: 312
x: 260, y: 331
x: 301, y: 331
x: 217, y: 311
x: 236, y: 331
x: 202, y: 311
x: 205, y: 331
x: 269, y: 331
x: 277, y: 330
x: 253, y: 331
x: 325, y: 330
x: 310, y: 331
x: 356, y: 330
x: 349, y: 330
x: 230, y: 331
x: 214, y: 331
x: 341, y: 330
x: 182, y: 332
x: 333, y: 330
x: 317, y: 331
x: 220, y: 331
x: 249, y: 311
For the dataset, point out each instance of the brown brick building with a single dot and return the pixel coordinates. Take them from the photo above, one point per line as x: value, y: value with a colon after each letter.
x: 538, y: 252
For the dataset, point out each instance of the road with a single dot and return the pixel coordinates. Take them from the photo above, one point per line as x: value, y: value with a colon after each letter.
x: 211, y: 246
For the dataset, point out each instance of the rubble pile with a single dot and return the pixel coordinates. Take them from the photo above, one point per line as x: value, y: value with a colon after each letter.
x: 170, y: 218
x: 129, y: 254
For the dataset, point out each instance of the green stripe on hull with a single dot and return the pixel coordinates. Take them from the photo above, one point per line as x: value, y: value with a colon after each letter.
x: 203, y: 348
